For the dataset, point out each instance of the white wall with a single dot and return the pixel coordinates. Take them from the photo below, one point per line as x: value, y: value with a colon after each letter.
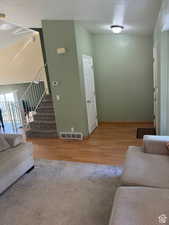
x: 20, y: 62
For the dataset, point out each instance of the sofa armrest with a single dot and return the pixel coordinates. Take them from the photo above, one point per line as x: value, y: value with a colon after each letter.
x: 156, y: 144
x: 14, y: 139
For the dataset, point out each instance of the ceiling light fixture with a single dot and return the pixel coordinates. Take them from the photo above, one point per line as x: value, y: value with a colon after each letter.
x: 6, y: 26
x: 2, y: 15
x: 116, y: 29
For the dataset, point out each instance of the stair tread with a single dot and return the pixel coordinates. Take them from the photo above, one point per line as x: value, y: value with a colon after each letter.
x: 47, y: 102
x: 38, y: 120
x: 45, y: 113
x: 44, y: 117
x: 45, y: 106
x: 48, y: 97
x: 45, y: 109
x: 44, y: 121
x: 42, y: 131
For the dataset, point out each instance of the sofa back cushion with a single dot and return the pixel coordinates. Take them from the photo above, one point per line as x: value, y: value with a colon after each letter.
x: 14, y: 139
x: 156, y: 144
x: 3, y: 143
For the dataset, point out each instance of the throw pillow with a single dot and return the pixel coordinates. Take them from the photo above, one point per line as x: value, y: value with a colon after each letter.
x: 14, y: 139
x: 167, y: 145
x: 3, y: 143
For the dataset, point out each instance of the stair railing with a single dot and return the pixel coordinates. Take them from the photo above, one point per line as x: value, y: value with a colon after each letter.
x: 11, y: 116
x: 33, y: 96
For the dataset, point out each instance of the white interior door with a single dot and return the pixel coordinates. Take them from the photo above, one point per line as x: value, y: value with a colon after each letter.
x: 90, y: 92
x: 156, y: 91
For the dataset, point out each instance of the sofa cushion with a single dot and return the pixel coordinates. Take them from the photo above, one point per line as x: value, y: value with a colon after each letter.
x: 142, y: 169
x: 3, y: 143
x: 18, y: 153
x: 14, y: 139
x: 140, y: 205
x: 167, y: 144
x: 14, y: 162
x: 156, y: 144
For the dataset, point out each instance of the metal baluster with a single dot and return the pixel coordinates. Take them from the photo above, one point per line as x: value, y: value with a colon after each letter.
x: 14, y: 116
x: 10, y: 115
x: 35, y: 93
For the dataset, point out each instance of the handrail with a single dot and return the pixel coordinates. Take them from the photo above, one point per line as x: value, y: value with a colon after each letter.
x: 33, y: 81
x: 21, y: 50
x: 40, y: 100
x: 33, y: 96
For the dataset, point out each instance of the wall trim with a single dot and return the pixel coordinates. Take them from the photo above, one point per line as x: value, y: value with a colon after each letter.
x: 127, y: 122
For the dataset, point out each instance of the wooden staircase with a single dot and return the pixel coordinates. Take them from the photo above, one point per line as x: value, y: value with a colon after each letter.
x: 44, y: 124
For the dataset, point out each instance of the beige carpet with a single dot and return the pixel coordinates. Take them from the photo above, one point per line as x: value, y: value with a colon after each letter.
x: 61, y: 193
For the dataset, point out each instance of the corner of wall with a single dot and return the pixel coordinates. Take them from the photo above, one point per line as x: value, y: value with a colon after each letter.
x: 65, y: 69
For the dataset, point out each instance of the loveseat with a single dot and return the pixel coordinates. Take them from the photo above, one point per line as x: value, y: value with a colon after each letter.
x: 143, y: 197
x: 16, y: 159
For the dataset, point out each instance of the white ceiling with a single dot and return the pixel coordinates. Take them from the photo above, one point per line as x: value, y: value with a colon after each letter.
x: 138, y: 16
x: 10, y: 33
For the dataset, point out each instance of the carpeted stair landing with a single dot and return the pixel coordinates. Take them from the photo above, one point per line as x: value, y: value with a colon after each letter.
x: 61, y: 193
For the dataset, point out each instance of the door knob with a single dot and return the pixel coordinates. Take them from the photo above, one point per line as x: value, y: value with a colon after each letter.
x: 88, y: 101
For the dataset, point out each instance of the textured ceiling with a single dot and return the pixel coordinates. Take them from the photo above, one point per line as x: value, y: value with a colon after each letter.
x: 11, y: 33
x: 138, y: 16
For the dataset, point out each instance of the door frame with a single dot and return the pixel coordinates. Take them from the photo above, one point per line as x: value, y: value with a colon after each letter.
x: 89, y: 130
x: 156, y: 113
x: 164, y: 83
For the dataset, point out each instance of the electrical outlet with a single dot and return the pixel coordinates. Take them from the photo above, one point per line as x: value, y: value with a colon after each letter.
x: 72, y: 129
x: 58, y: 97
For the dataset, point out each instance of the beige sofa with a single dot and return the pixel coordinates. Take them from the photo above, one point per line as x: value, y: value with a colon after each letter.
x: 143, y: 198
x: 16, y: 158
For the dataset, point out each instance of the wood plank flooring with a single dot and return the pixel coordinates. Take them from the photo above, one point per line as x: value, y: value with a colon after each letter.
x: 107, y: 145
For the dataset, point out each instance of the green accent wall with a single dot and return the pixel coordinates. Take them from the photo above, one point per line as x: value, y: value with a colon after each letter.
x: 123, y: 67
x: 84, y: 46
x: 124, y: 77
x: 65, y: 69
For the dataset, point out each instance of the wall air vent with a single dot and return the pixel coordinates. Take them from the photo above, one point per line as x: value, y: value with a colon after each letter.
x: 71, y: 135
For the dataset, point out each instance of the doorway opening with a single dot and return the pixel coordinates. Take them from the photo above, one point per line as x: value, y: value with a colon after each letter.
x: 11, y: 118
